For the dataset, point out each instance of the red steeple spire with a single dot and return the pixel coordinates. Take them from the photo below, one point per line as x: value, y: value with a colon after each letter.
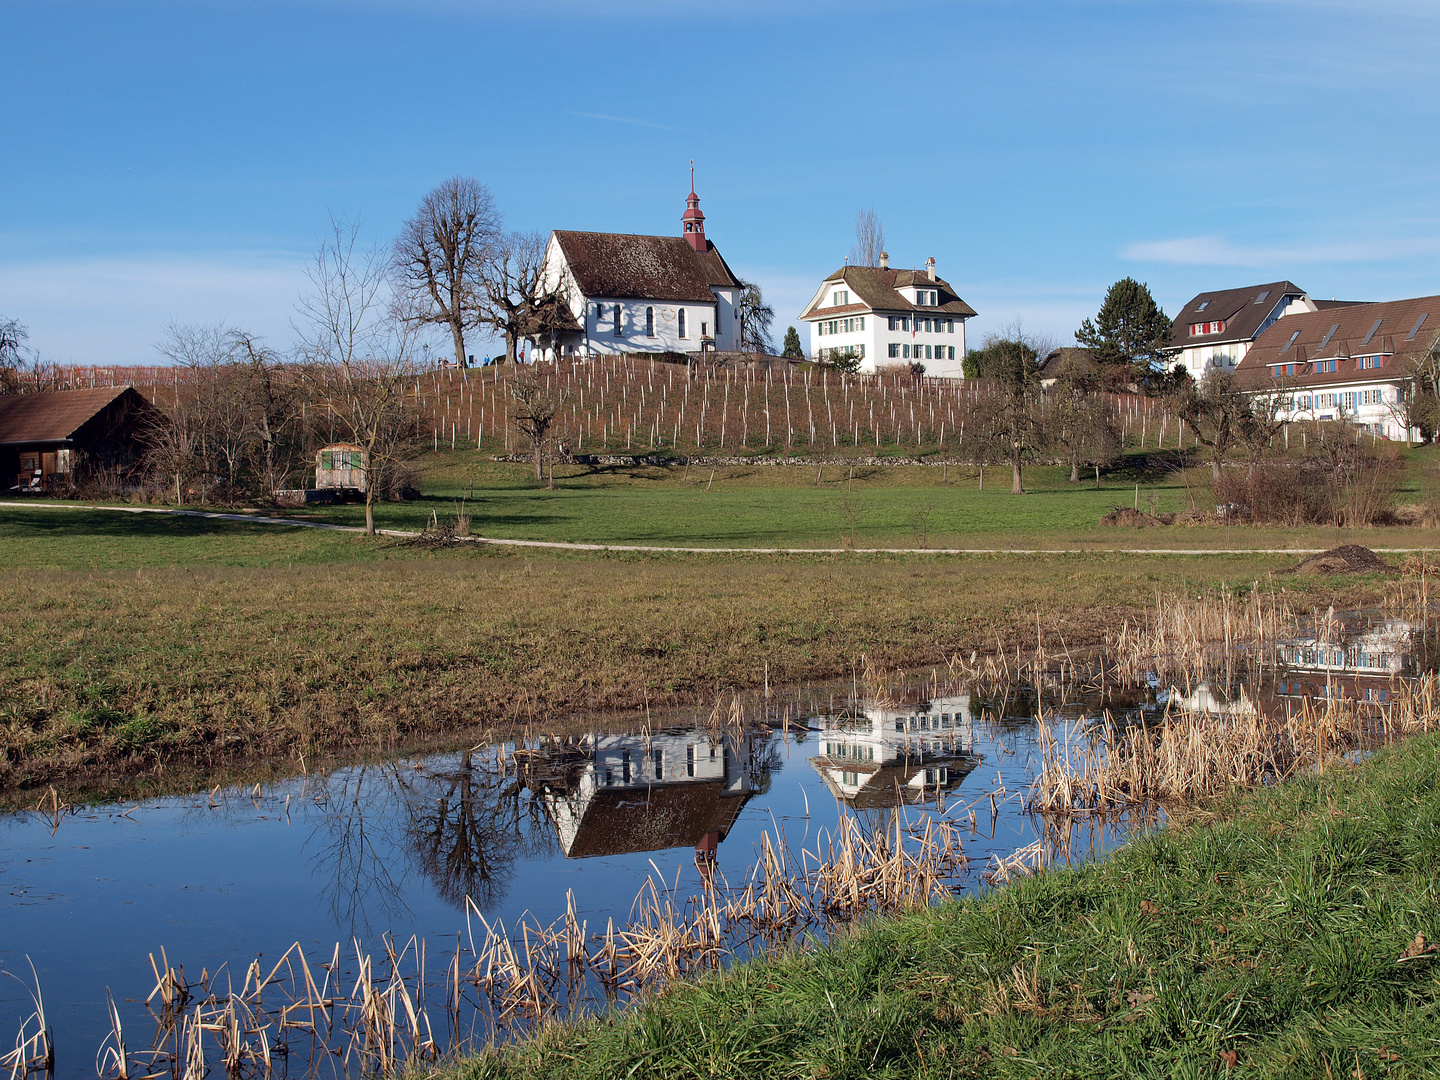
x: 693, y: 220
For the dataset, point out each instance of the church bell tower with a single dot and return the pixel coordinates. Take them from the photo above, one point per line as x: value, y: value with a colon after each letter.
x: 693, y: 219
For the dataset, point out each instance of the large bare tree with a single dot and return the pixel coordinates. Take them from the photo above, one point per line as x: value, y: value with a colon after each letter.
x: 869, y: 239
x: 516, y: 299
x: 359, y: 354
x: 440, y: 254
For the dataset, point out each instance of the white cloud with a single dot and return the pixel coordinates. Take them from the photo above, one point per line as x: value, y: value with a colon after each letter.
x: 623, y: 120
x: 1216, y: 251
x: 112, y: 310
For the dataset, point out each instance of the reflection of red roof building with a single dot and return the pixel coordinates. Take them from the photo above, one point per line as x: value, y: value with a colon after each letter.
x: 622, y: 794
x: 621, y: 821
x: 1364, y: 666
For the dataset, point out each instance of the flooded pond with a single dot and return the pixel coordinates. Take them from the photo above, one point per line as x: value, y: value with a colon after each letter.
x: 432, y: 901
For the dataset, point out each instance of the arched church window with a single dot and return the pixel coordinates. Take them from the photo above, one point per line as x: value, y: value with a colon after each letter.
x: 682, y: 322
x: 649, y: 322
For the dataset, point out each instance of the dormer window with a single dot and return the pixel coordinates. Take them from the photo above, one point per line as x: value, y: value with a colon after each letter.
x: 925, y: 298
x: 1200, y: 328
x: 841, y: 298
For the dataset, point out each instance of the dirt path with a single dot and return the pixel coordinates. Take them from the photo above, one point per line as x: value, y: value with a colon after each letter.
x: 561, y: 545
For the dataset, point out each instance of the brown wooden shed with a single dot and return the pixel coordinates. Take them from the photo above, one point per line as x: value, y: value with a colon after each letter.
x: 47, y: 439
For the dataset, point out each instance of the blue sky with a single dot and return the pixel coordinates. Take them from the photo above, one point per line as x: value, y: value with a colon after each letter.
x: 179, y: 161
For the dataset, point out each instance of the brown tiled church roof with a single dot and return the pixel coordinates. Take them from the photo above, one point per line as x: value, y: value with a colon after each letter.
x: 624, y: 266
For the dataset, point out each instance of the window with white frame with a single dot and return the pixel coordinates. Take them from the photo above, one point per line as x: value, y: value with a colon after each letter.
x: 894, y: 350
x: 841, y: 298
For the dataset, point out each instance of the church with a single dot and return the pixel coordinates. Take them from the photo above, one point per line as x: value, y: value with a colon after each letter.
x: 625, y: 293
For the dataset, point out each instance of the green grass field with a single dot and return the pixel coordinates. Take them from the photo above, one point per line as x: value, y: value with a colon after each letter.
x: 1291, y: 937
x: 796, y: 506
x: 146, y: 642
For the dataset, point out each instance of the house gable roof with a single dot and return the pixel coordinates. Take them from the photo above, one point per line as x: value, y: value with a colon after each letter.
x: 624, y: 266
x: 56, y: 416
x: 1402, y: 331
x: 876, y: 288
x: 1241, y: 310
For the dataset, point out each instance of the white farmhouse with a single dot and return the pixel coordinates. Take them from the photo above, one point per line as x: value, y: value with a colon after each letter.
x: 634, y: 294
x: 1352, y: 362
x: 1215, y: 330
x: 887, y: 316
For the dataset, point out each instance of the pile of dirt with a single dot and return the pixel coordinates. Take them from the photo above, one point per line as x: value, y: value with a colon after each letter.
x: 1345, y: 559
x: 1128, y: 516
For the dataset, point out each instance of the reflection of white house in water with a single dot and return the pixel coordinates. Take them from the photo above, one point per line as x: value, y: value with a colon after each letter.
x: 878, y: 755
x: 1364, y: 666
x: 635, y: 793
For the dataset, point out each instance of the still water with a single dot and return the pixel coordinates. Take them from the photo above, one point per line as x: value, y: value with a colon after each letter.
x: 395, y: 847
x: 424, y: 847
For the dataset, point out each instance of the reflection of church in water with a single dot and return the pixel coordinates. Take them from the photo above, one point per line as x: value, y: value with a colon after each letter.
x: 909, y: 751
x: 621, y: 794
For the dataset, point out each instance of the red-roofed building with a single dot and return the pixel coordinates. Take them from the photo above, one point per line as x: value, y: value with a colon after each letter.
x: 48, y: 439
x: 1354, y: 362
x: 634, y: 294
x: 886, y: 316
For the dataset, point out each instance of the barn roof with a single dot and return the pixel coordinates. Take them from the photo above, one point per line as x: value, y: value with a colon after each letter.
x: 625, y: 266
x: 54, y: 416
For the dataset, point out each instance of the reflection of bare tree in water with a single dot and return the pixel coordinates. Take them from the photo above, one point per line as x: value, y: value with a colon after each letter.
x: 354, y: 843
x: 467, y: 825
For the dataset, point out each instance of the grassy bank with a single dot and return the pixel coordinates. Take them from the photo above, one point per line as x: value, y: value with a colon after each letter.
x: 1288, y: 936
x: 140, y: 645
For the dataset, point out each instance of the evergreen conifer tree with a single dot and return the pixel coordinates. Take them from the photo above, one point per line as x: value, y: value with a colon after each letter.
x: 1128, y: 335
x: 792, y: 348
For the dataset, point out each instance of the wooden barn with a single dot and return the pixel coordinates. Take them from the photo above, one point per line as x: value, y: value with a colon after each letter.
x: 48, y: 440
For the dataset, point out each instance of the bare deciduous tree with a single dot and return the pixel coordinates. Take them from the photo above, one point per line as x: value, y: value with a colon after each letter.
x: 869, y: 239
x: 13, y: 335
x: 359, y: 353
x: 1012, y: 417
x: 440, y: 254
x: 1218, y: 412
x: 756, y: 317
x: 515, y: 298
x: 537, y: 402
x: 179, y: 444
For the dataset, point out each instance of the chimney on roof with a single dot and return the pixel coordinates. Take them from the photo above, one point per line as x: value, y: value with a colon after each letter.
x: 884, y: 260
x: 930, y: 267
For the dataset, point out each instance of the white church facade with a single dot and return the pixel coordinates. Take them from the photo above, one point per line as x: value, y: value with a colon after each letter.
x: 625, y: 293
